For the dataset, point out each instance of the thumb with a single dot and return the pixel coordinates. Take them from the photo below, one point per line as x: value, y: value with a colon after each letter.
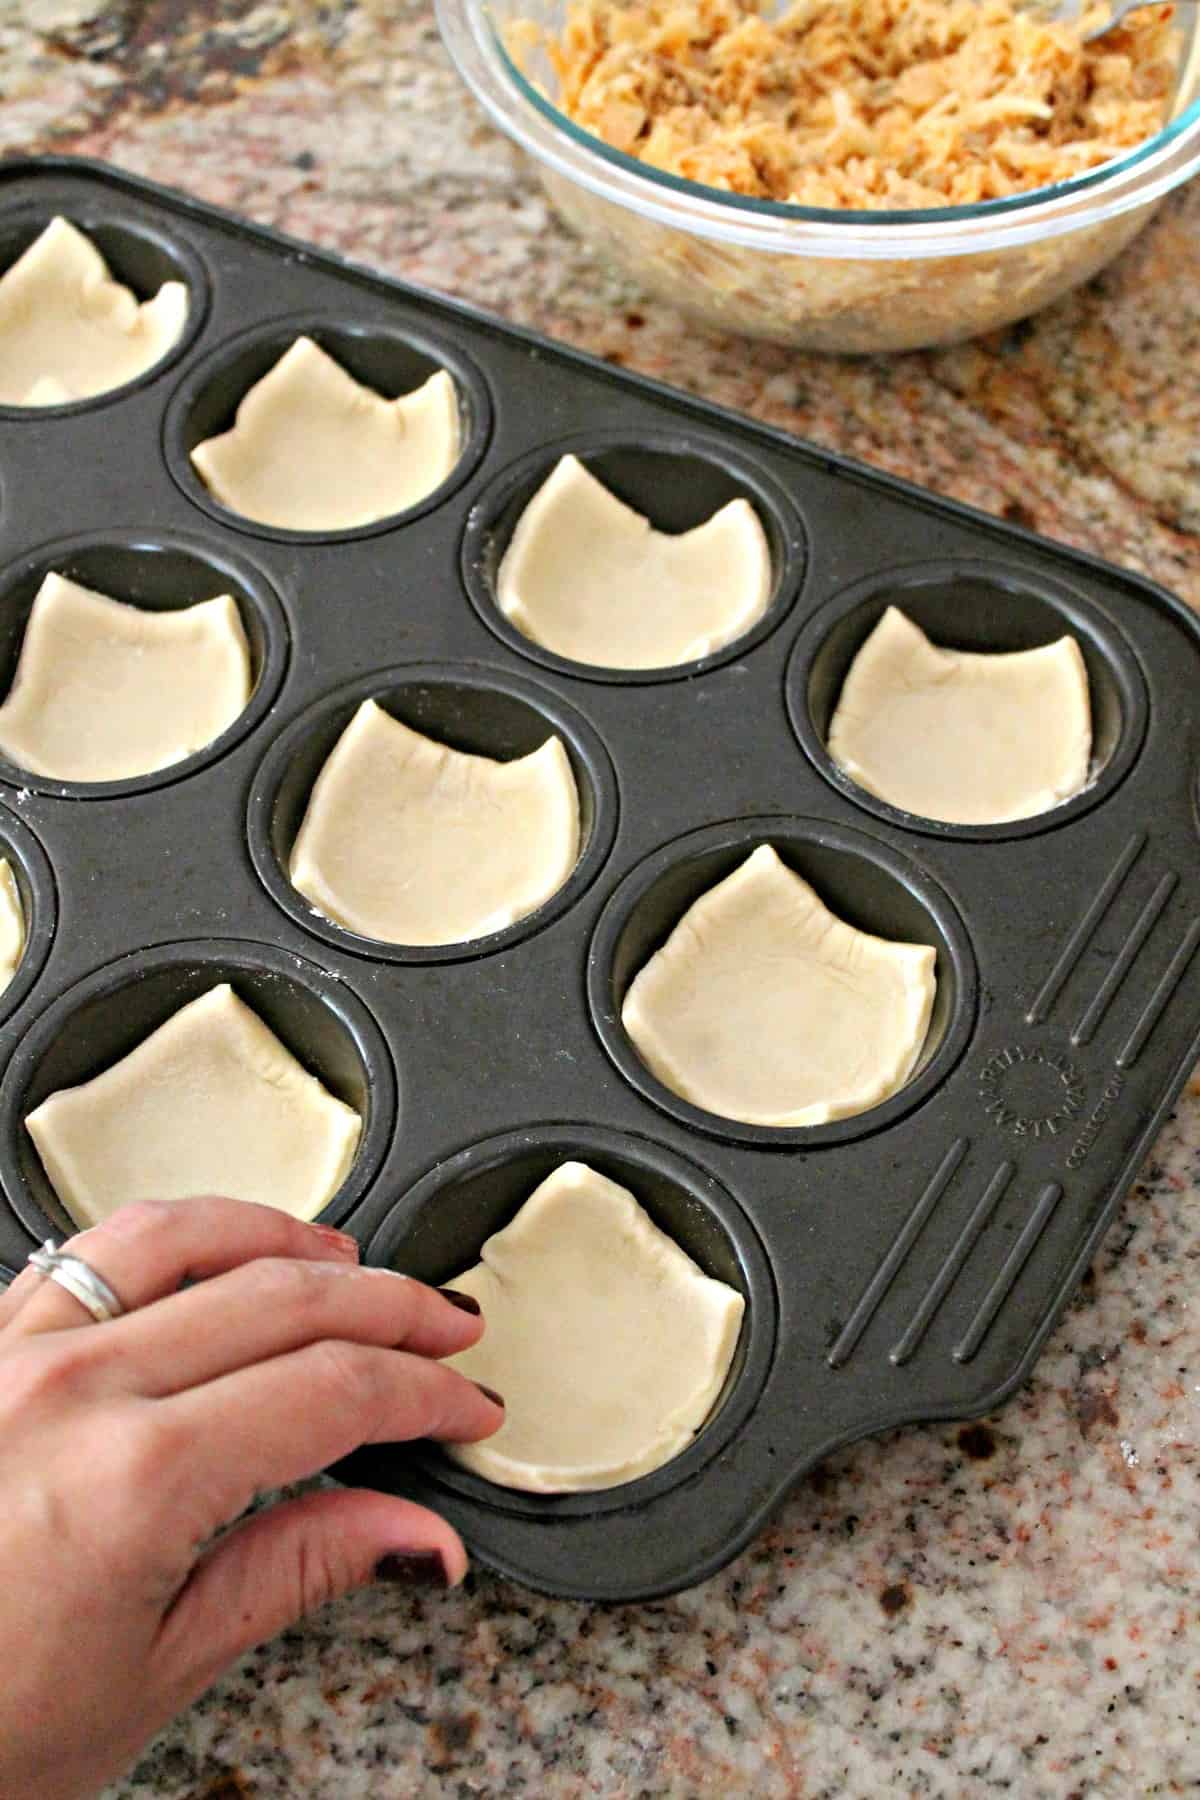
x: 297, y: 1556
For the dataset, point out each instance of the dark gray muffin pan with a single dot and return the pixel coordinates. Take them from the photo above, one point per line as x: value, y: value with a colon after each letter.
x: 903, y: 1265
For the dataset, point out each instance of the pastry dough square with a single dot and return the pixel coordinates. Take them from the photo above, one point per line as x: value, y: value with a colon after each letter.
x: 105, y: 691
x: 68, y: 331
x: 312, y: 449
x: 967, y: 737
x: 410, y: 842
x: 210, y: 1103
x: 609, y: 1344
x: 590, y: 579
x: 763, y: 1006
x: 12, y: 925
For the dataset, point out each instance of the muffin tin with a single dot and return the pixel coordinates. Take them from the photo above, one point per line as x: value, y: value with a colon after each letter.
x: 906, y: 1264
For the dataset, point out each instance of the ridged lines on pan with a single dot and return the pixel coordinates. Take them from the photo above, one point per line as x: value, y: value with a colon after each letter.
x: 1154, y: 906
x: 1159, y: 1000
x: 1143, y: 925
x: 910, y: 1338
x: 1082, y: 934
x: 873, y: 1294
x: 985, y: 1314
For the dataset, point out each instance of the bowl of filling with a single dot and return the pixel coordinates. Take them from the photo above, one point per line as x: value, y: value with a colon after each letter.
x: 845, y: 175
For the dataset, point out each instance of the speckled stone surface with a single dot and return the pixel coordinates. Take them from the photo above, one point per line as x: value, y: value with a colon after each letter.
x: 1012, y: 1607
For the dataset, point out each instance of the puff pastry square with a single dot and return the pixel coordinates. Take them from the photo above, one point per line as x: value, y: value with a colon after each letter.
x: 609, y: 1344
x: 411, y: 842
x: 12, y: 925
x: 68, y: 331
x: 210, y: 1103
x: 105, y: 691
x: 590, y: 579
x: 967, y: 737
x: 765, y: 1007
x: 312, y: 449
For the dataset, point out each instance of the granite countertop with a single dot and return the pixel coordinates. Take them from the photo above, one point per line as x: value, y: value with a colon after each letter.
x: 1006, y: 1607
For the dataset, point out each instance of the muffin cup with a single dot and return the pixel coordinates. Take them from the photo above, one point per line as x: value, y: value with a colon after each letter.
x: 140, y: 256
x: 438, y: 1228
x: 677, y: 481
x: 975, y: 606
x: 160, y: 572
x: 385, y: 357
x: 109, y: 1013
x: 860, y: 878
x: 483, y: 711
x: 39, y: 907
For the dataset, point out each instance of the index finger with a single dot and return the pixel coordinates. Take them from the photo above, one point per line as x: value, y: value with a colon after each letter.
x: 149, y: 1249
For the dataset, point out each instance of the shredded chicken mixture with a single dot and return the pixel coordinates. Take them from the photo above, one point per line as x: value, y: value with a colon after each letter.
x: 861, y: 103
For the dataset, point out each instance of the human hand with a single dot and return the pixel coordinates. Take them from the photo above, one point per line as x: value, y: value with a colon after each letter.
x: 124, y: 1447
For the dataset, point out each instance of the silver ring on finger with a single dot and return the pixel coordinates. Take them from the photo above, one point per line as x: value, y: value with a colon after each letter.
x: 79, y: 1279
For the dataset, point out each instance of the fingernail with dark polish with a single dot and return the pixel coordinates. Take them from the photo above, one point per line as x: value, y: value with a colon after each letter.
x: 413, y: 1568
x: 490, y: 1394
x: 465, y: 1302
x: 337, y: 1240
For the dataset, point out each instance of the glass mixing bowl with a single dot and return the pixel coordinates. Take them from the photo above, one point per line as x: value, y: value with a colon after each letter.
x: 818, y: 279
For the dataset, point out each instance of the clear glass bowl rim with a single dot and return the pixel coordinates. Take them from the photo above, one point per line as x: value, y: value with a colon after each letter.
x: 1144, y: 175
